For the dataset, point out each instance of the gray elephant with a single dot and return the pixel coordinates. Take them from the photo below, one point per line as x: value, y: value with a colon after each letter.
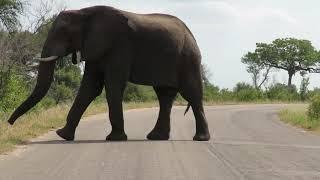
x: 119, y: 47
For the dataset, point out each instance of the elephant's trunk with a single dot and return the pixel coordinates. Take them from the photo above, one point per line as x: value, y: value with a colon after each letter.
x: 45, y: 78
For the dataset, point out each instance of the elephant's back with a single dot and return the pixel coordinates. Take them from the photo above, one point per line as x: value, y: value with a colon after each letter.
x: 159, y: 42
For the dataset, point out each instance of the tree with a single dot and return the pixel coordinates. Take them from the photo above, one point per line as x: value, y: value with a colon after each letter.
x: 289, y: 54
x: 205, y: 73
x: 9, y: 11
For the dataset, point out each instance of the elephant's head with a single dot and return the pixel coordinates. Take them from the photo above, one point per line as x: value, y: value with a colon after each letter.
x: 63, y: 38
x: 87, y: 33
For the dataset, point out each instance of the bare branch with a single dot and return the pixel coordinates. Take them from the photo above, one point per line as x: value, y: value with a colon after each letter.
x: 266, y: 76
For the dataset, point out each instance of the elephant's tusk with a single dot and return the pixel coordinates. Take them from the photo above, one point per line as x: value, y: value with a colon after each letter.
x: 47, y: 59
x: 78, y: 57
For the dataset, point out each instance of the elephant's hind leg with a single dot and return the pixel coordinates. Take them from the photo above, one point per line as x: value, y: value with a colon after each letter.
x: 202, y: 131
x: 91, y: 87
x: 166, y: 96
x: 191, y: 90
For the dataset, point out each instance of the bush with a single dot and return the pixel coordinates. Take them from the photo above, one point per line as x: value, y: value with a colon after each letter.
x: 66, y: 84
x: 312, y: 93
x: 314, y: 108
x: 14, y: 93
x: 70, y: 76
x: 282, y: 92
x: 134, y: 93
x: 249, y: 95
x: 62, y: 93
x: 226, y: 95
x: 246, y: 92
x: 46, y: 103
x: 211, y: 93
x: 241, y: 86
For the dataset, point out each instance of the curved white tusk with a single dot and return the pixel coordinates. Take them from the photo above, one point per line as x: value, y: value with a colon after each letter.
x: 78, y: 57
x: 47, y: 59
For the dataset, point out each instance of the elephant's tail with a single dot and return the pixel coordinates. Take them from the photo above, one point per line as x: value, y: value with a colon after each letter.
x: 188, y: 107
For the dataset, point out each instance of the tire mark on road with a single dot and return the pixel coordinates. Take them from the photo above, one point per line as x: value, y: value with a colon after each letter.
x: 235, y: 171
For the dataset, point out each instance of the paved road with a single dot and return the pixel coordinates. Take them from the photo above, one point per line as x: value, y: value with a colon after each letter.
x: 249, y: 142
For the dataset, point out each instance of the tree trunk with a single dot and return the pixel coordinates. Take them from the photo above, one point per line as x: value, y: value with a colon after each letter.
x: 290, y: 78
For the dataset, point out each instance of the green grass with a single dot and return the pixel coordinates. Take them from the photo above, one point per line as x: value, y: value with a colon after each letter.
x: 298, y: 117
x: 39, y: 122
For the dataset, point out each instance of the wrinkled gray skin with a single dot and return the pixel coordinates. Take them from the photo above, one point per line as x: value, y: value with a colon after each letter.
x: 152, y: 49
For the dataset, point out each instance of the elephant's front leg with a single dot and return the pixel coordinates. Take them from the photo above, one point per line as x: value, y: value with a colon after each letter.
x: 91, y: 87
x: 114, y: 91
x: 117, y: 70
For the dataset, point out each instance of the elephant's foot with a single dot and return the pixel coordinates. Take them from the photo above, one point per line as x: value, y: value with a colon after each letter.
x: 158, y: 135
x: 65, y: 134
x: 117, y: 136
x: 202, y: 136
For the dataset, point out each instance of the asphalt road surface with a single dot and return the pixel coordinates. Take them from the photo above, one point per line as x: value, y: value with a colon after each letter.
x: 248, y: 142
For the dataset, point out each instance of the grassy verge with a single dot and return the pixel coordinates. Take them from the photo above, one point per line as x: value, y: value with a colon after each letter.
x: 298, y: 117
x: 39, y: 122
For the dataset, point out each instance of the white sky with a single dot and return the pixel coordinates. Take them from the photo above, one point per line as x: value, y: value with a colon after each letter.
x: 227, y: 29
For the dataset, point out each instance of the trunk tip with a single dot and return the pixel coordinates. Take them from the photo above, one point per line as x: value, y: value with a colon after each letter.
x: 11, y: 121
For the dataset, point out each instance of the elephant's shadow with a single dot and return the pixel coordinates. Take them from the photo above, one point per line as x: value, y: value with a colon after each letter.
x: 104, y: 141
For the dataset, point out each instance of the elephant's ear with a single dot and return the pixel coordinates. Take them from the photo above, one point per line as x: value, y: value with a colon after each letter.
x: 101, y: 33
x: 97, y: 40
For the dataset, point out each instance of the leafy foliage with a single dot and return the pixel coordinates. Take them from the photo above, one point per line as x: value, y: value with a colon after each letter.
x: 282, y: 92
x: 314, y: 108
x: 14, y: 93
x: 66, y: 83
x: 246, y: 92
x: 138, y: 93
x: 211, y: 92
x: 9, y: 11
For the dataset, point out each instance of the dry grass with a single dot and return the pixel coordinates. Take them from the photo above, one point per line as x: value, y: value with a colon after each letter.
x: 37, y: 123
x: 298, y: 117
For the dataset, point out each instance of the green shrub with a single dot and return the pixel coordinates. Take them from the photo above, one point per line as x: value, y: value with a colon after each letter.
x: 246, y: 92
x: 46, y: 103
x: 226, y: 95
x: 61, y: 93
x: 241, y: 86
x: 66, y: 84
x: 211, y: 93
x: 282, y: 92
x: 14, y: 93
x: 134, y: 93
x: 312, y: 93
x: 314, y: 108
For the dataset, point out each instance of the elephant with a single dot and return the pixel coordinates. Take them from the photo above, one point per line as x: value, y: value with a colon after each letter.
x: 119, y: 47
